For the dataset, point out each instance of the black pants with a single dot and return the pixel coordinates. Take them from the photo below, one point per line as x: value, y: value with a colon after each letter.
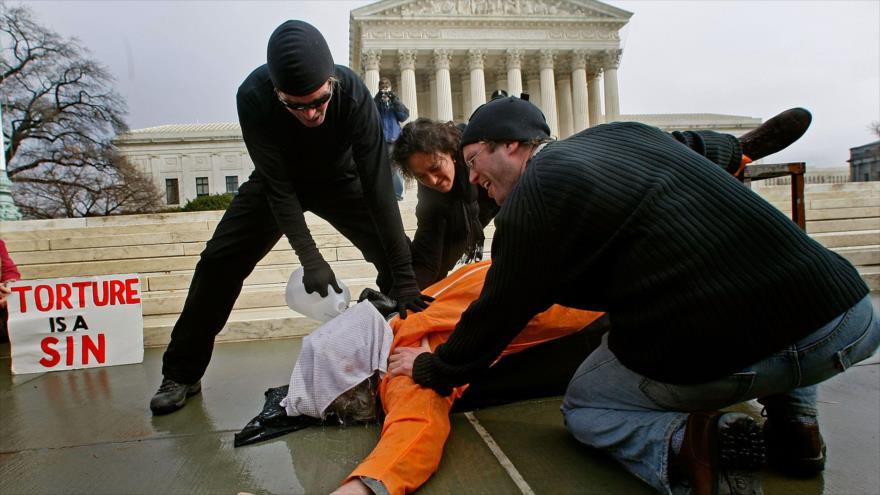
x: 245, y: 234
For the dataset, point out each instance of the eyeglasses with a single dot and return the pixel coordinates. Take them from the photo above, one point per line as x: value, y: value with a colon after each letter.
x: 470, y: 161
x: 316, y: 103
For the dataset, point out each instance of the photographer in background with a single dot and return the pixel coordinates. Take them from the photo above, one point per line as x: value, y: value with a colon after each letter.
x: 393, y: 112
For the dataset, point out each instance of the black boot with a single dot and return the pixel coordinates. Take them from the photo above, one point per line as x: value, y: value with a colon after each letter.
x: 776, y: 134
x: 172, y: 395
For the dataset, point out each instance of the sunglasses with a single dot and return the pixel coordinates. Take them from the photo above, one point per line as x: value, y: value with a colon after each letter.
x: 316, y: 103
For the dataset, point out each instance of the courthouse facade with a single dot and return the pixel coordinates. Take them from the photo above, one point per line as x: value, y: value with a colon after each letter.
x: 447, y: 56
x: 444, y: 57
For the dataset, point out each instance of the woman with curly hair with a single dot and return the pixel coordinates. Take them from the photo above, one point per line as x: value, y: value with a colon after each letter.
x: 451, y: 212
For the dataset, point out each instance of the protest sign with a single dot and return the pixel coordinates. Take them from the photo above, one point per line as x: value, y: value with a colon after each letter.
x: 73, y: 323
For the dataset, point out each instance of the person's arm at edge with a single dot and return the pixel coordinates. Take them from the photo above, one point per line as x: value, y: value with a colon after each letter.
x: 10, y: 271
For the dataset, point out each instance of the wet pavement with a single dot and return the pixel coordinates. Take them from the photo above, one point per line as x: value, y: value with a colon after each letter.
x: 91, y: 432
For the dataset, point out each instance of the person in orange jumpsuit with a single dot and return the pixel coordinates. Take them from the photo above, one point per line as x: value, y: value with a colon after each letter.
x: 417, y: 422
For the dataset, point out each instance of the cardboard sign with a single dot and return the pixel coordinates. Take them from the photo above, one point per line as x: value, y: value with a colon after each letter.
x: 73, y: 323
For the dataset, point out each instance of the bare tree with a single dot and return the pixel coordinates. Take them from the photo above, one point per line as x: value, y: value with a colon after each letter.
x: 875, y: 127
x: 83, y: 192
x: 60, y: 113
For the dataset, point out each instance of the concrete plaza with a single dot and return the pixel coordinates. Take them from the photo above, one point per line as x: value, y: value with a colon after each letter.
x: 91, y: 432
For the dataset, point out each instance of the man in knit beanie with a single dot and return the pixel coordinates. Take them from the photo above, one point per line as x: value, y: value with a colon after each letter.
x: 313, y: 134
x: 714, y: 298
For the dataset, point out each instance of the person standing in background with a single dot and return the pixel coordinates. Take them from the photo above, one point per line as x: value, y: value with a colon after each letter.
x: 393, y: 112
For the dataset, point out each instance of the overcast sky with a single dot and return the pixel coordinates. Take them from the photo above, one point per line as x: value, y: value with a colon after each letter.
x: 182, y: 61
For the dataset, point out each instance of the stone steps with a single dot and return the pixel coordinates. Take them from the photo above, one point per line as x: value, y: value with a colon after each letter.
x: 164, y: 249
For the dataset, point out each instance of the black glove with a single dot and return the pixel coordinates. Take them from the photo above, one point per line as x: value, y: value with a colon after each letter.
x: 383, y: 304
x: 413, y: 301
x: 317, y: 277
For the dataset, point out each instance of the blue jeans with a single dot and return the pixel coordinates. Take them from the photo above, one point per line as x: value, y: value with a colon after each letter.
x: 610, y: 407
x: 396, y: 176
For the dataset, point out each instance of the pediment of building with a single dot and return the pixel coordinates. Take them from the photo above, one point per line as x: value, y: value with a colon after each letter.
x: 475, y: 9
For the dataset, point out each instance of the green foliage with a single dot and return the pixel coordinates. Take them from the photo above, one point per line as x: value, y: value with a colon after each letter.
x: 207, y: 203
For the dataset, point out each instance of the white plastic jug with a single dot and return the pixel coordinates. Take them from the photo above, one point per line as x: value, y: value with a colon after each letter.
x: 313, y: 305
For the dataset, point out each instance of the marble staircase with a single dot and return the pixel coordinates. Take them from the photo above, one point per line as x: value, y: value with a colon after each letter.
x: 164, y: 248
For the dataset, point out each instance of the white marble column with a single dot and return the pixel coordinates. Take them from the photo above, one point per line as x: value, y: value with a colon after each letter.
x: 466, y: 107
x: 612, y: 98
x: 594, y: 95
x: 563, y: 104
x: 580, y: 115
x: 514, y: 72
x: 442, y: 57
x: 478, y: 78
x: 548, y: 90
x: 370, y: 61
x: 408, y: 95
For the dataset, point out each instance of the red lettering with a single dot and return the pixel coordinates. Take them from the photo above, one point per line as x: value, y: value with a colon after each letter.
x: 50, y: 296
x: 62, y: 296
x: 81, y: 287
x: 99, y: 351
x: 70, y: 349
x: 117, y: 292
x: 54, y: 357
x: 100, y: 301
x: 22, y: 300
x: 131, y: 292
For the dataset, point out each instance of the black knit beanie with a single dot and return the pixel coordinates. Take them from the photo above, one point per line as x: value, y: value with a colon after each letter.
x: 506, y: 119
x: 299, y: 59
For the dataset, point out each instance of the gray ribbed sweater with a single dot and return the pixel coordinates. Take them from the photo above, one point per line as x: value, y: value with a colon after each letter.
x: 700, y: 276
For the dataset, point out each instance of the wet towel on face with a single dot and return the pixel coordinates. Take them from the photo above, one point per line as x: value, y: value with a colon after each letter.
x: 337, y: 356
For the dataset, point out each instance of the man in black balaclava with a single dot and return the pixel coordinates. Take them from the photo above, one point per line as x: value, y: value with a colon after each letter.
x: 313, y: 133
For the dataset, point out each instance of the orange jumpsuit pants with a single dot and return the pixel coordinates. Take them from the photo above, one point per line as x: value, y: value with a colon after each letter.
x: 417, y: 418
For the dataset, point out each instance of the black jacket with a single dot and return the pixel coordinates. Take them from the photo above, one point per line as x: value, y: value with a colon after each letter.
x: 298, y: 165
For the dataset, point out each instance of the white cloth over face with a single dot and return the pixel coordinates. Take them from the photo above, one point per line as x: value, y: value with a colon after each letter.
x: 337, y: 356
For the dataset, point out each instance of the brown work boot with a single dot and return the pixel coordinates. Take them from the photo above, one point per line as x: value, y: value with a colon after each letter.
x: 794, y: 447
x: 722, y: 454
x: 776, y: 134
